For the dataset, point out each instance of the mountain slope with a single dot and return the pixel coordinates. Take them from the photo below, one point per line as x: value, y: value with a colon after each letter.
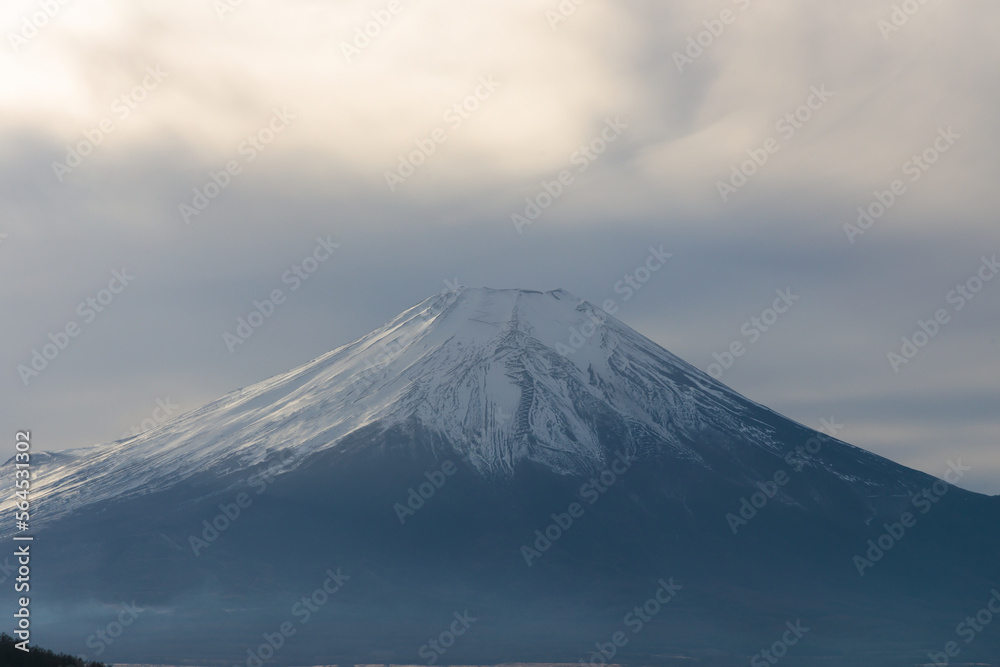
x: 492, y: 370
x: 521, y: 456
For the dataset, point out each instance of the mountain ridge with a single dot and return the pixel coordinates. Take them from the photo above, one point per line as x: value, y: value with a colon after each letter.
x: 462, y: 411
x: 517, y: 393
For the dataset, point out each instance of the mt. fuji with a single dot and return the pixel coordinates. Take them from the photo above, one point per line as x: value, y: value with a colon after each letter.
x: 407, y: 474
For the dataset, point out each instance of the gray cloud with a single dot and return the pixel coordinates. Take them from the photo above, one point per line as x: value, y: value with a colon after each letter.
x: 656, y: 184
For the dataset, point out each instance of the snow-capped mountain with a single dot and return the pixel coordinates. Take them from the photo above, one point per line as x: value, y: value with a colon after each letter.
x: 519, y: 457
x: 505, y: 376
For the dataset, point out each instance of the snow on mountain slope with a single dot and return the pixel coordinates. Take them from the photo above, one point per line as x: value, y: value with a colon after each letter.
x: 504, y: 375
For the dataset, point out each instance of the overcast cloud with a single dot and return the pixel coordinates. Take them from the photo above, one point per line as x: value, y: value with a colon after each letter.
x: 199, y: 78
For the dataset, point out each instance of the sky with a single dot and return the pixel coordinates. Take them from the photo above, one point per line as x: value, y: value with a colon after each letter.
x: 164, y: 166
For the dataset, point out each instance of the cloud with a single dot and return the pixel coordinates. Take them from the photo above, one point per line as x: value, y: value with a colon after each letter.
x: 356, y: 117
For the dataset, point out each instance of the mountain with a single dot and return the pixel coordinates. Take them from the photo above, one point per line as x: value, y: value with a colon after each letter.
x: 503, y: 475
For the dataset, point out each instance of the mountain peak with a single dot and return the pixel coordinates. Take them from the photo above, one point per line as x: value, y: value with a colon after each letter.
x: 533, y: 401
x: 502, y: 378
x: 484, y: 313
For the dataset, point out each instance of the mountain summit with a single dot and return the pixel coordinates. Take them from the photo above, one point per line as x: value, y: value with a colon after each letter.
x: 520, y: 464
x: 504, y: 376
